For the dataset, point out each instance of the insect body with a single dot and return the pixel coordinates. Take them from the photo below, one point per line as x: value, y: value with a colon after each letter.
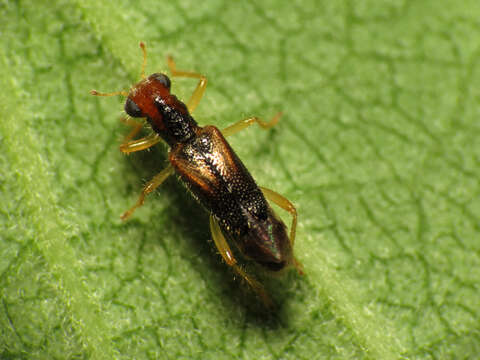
x: 212, y: 172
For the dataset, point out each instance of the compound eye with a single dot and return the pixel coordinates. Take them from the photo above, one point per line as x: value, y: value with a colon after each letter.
x: 162, y: 78
x: 132, y: 109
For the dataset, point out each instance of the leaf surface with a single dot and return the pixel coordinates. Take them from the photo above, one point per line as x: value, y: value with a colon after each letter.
x: 377, y: 147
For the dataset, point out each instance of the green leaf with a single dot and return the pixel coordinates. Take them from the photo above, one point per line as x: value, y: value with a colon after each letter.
x: 377, y: 147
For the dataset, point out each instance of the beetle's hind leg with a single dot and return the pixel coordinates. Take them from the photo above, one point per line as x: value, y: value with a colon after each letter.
x: 227, y: 255
x: 286, y: 205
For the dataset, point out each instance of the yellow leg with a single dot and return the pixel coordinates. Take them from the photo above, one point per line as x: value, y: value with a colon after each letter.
x: 128, y: 145
x: 199, y: 90
x: 285, y: 204
x: 242, y: 124
x: 140, y: 144
x: 227, y: 255
x: 151, y: 185
x: 136, y: 127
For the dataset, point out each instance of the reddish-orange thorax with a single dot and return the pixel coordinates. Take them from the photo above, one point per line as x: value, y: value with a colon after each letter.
x: 144, y: 93
x: 168, y: 116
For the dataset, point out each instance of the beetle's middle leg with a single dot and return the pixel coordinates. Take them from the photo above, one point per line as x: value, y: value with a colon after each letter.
x: 148, y: 188
x: 242, y: 124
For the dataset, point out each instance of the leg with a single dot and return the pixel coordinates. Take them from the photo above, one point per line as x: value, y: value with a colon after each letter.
x: 285, y: 204
x: 140, y: 144
x: 151, y: 185
x: 227, y: 255
x: 242, y: 124
x: 128, y: 145
x: 199, y: 90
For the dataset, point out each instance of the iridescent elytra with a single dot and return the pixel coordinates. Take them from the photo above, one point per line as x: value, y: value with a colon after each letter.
x: 207, y: 165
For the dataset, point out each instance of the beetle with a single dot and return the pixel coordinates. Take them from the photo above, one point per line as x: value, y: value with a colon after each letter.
x: 208, y: 166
